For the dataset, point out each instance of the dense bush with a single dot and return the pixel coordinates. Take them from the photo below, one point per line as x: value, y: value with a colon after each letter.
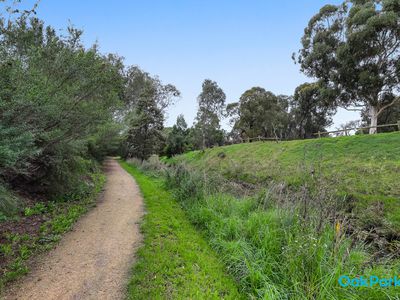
x: 57, y: 101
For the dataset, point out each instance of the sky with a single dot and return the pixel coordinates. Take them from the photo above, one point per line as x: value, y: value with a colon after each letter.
x: 237, y: 43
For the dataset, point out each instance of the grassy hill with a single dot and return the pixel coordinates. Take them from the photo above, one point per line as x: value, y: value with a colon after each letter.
x: 364, y: 168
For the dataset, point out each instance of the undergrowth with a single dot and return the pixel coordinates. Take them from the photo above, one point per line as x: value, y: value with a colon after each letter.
x: 56, y: 217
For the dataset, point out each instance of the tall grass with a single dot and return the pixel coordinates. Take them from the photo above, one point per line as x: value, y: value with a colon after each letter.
x: 9, y: 203
x: 279, y: 244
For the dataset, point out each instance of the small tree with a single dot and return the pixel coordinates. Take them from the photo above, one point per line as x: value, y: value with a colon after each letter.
x: 354, y: 49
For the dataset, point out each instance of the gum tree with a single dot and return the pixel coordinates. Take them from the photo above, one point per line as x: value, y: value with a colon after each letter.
x: 211, y: 108
x: 354, y: 49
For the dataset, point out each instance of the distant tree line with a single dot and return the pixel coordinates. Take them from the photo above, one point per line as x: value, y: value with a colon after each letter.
x: 258, y: 113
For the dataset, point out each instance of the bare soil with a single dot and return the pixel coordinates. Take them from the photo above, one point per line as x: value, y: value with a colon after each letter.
x: 92, y: 261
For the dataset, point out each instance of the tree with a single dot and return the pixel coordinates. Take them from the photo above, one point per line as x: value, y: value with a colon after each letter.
x: 146, y: 99
x: 311, y: 109
x: 354, y: 49
x: 259, y: 113
x: 137, y: 80
x: 145, y: 127
x: 178, y: 138
x: 211, y: 108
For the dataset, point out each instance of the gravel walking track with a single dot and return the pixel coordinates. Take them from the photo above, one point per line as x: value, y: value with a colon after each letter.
x: 94, y: 260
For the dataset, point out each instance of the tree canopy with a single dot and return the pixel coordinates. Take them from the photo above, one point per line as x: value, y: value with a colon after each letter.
x: 311, y: 109
x: 260, y: 113
x: 354, y: 49
x: 211, y: 108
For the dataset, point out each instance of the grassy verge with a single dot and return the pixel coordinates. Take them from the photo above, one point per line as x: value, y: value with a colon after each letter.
x: 37, y: 228
x: 277, y: 244
x: 364, y: 168
x: 175, y: 261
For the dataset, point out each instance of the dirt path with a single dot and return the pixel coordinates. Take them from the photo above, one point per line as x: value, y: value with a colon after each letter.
x: 93, y: 261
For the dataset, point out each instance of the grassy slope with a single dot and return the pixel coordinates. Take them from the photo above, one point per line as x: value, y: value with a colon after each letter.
x: 365, y: 167
x: 175, y: 261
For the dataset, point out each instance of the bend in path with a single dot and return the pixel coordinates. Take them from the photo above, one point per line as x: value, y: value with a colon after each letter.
x: 94, y: 259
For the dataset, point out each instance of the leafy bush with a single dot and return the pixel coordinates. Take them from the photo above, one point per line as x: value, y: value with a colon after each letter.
x: 57, y: 104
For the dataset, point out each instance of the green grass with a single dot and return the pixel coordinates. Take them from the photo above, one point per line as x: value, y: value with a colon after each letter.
x: 275, y: 255
x: 274, y: 249
x: 366, y: 167
x: 175, y: 261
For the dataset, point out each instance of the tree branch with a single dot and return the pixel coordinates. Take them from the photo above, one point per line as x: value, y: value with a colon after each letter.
x: 387, y: 105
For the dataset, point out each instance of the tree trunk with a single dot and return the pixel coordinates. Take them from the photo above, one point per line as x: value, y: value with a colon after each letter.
x: 373, y: 114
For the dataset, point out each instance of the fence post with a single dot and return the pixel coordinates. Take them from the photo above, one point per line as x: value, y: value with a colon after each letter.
x: 398, y: 124
x: 319, y: 134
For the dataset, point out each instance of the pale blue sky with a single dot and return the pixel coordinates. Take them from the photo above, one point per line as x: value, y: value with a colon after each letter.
x: 239, y: 44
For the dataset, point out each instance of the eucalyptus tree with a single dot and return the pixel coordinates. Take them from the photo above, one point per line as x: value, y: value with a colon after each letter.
x: 354, y: 49
x: 211, y: 108
x: 312, y: 109
x: 146, y: 100
x: 260, y: 113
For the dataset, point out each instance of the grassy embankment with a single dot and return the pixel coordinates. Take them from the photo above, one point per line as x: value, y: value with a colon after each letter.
x: 39, y: 225
x: 295, y: 242
x: 365, y: 168
x: 175, y: 261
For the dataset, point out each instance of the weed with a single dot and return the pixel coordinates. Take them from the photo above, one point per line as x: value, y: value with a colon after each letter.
x: 6, y: 249
x: 37, y: 209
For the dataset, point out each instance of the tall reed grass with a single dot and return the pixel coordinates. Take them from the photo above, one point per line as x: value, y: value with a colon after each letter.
x: 277, y: 243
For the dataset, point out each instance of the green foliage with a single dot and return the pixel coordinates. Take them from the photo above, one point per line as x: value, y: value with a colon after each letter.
x: 311, y: 110
x: 106, y: 141
x: 362, y: 167
x: 37, y: 209
x: 391, y: 115
x: 178, y: 140
x: 146, y: 99
x: 175, y: 262
x: 55, y: 96
x: 9, y: 203
x: 60, y: 216
x: 353, y: 50
x: 207, y: 132
x: 260, y: 113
